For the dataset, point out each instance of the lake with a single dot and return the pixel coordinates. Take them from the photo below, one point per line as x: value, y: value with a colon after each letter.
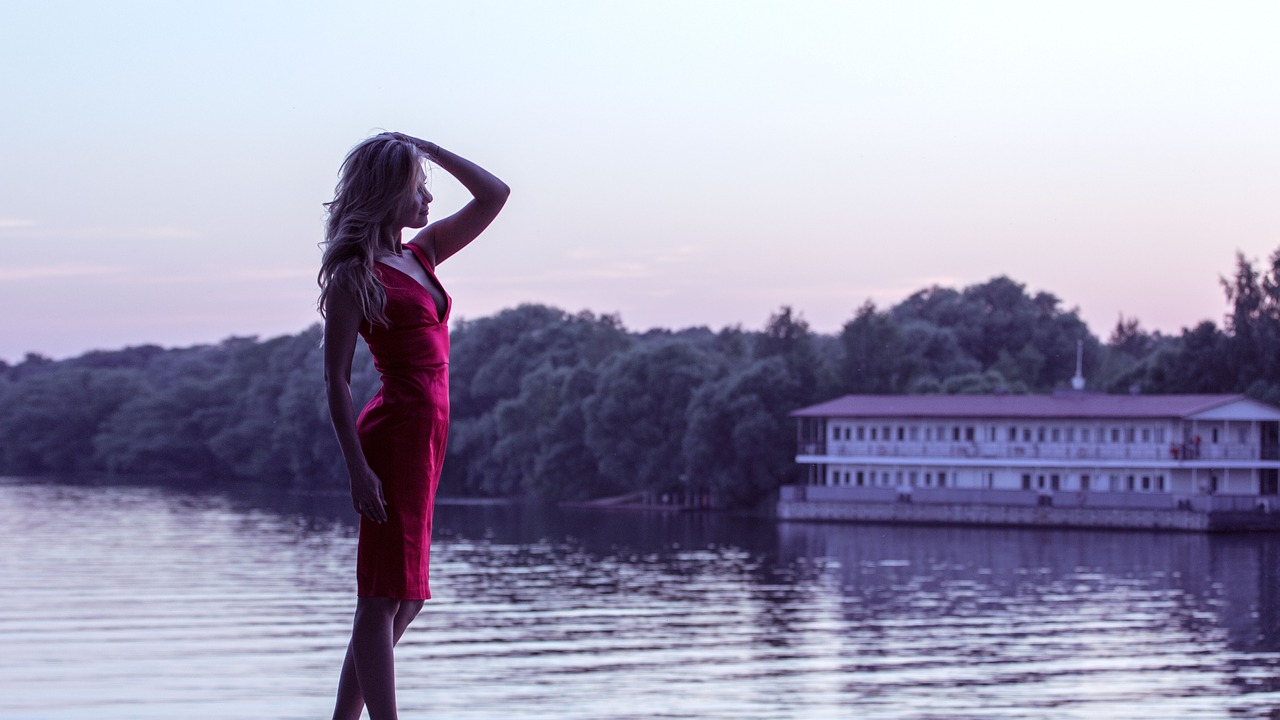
x: 146, y: 602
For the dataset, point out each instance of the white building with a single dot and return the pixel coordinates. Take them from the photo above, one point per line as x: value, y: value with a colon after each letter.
x: 1067, y: 449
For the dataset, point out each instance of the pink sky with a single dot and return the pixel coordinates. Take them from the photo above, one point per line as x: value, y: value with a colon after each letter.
x: 676, y: 163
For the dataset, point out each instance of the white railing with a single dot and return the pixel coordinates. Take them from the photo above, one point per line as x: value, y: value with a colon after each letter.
x: 1048, y: 451
x: 963, y: 496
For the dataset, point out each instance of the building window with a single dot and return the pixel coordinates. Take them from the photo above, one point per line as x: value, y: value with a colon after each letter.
x: 859, y: 479
x: 1146, y: 435
x: 873, y: 433
x: 1026, y: 481
x: 1146, y: 482
x: 862, y: 433
x: 1071, y: 434
x: 1039, y: 434
x: 1128, y: 435
x: 1115, y: 435
x: 913, y: 478
x: 914, y: 433
x: 835, y: 433
x: 898, y: 478
x: 1039, y: 482
x: 1213, y: 436
x: 955, y: 433
x: 886, y: 432
x: 1026, y: 434
x: 1084, y: 482
x: 1160, y: 483
x: 1084, y: 434
x: 1055, y: 435
x: 1128, y: 483
x: 1013, y: 433
x: 848, y: 433
x: 942, y: 479
x: 902, y: 433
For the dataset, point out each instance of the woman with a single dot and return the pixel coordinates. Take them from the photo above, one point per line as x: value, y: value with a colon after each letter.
x: 387, y: 292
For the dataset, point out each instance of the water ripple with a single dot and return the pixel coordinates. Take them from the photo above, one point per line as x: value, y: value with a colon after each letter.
x: 148, y: 603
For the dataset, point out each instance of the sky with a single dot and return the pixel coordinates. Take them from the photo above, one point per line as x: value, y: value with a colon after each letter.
x: 163, y: 165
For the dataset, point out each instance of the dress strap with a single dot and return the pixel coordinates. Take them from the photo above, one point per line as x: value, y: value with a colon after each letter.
x: 442, y: 313
x: 422, y: 256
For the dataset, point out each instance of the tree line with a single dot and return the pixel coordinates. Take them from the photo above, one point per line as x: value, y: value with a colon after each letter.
x: 553, y: 405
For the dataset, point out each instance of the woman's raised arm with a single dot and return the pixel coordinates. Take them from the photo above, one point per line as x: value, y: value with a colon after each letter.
x: 445, y: 237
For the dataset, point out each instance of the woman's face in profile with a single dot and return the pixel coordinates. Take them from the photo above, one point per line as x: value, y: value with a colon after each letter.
x: 413, y: 211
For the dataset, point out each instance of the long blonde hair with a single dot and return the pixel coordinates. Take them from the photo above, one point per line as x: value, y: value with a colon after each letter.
x: 375, y: 179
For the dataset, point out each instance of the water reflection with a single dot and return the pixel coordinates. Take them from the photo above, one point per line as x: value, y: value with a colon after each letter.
x: 1115, y: 624
x: 150, y: 603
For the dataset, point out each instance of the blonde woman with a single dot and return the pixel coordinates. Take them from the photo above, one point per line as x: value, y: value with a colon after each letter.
x: 374, y: 286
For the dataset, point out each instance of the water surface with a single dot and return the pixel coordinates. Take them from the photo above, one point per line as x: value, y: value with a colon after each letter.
x: 144, y: 602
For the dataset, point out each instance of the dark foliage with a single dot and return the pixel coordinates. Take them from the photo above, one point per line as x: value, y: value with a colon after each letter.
x: 558, y: 406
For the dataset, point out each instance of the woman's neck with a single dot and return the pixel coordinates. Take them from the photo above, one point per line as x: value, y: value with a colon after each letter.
x: 390, y: 242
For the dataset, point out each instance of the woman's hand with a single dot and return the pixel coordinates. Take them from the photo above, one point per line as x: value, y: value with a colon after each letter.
x: 366, y: 494
x: 430, y: 149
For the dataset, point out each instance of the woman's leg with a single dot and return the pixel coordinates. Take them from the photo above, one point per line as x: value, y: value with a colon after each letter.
x: 350, y: 701
x: 408, y: 611
x: 368, y: 672
x: 350, y: 696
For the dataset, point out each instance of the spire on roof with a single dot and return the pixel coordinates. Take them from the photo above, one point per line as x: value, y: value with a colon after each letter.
x: 1077, y: 381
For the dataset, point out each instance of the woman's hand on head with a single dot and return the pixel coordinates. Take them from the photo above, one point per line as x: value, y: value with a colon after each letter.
x: 366, y: 494
x: 429, y: 149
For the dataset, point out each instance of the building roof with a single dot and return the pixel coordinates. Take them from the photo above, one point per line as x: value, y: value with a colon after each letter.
x: 1058, y: 405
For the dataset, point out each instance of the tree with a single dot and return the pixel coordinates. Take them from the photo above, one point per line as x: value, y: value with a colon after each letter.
x: 51, y: 418
x: 164, y: 431
x: 997, y: 325
x: 490, y: 356
x: 873, y: 346
x: 1252, y: 328
x: 934, y: 351
x: 491, y: 360
x: 739, y: 440
x: 636, y: 419
x: 1192, y: 364
x: 787, y: 336
x: 539, y: 448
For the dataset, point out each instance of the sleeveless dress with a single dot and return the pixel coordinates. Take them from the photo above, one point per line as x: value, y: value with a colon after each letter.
x: 403, y: 431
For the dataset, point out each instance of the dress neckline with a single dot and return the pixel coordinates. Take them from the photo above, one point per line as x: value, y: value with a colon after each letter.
x: 448, y: 301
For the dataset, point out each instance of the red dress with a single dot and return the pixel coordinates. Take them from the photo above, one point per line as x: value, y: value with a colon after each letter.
x: 403, y: 431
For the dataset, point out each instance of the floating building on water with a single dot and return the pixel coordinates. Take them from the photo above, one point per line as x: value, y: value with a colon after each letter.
x: 1074, y: 458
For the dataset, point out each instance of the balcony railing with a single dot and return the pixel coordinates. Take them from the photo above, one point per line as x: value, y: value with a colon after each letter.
x: 965, y: 496
x: 1047, y: 451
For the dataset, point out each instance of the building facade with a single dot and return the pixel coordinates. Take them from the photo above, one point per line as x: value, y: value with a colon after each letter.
x: 1070, y: 449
